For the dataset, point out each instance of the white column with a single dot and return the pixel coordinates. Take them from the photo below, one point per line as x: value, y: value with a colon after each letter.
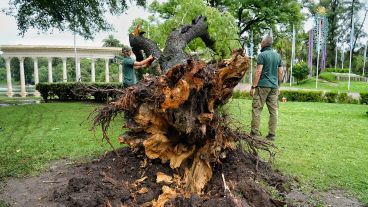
x: 107, y: 78
x: 65, y: 77
x: 36, y: 79
x: 120, y: 73
x: 23, y: 92
x: 78, y: 71
x: 8, y: 77
x: 93, y: 75
x: 50, y: 70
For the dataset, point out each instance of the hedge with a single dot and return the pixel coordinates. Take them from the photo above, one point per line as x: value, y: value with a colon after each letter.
x: 310, y: 96
x: 337, y: 70
x: 237, y: 94
x: 64, y: 91
x: 364, y: 98
x: 328, y: 77
x: 302, y: 96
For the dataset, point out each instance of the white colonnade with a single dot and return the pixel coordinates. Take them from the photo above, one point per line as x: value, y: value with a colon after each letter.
x: 63, y: 52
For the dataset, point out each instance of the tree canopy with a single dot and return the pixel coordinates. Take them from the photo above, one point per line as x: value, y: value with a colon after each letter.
x: 111, y: 41
x: 84, y: 17
x: 261, y: 16
x: 174, y: 13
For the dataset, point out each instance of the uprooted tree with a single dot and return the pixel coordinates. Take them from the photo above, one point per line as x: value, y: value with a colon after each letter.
x: 176, y: 116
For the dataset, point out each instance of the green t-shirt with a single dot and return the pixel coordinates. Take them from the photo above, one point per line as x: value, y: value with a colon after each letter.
x: 128, y: 70
x: 271, y: 61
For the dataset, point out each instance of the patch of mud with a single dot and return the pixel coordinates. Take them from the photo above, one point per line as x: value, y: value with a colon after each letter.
x: 335, y: 198
x: 110, y: 181
x: 34, y: 191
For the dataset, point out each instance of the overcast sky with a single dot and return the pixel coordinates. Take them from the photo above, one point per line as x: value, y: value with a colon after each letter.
x: 9, y: 31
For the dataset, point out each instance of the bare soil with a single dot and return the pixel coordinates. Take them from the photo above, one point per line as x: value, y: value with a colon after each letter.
x: 110, y: 181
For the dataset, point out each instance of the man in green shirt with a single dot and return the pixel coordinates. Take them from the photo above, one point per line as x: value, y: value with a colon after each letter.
x: 129, y: 65
x: 265, y: 88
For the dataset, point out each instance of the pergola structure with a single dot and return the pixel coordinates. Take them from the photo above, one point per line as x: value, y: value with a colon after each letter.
x: 63, y: 52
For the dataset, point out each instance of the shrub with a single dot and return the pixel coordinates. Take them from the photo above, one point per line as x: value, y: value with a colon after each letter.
x: 328, y: 76
x: 302, y: 96
x: 344, y: 98
x: 364, y: 98
x: 300, y: 71
x: 330, y: 97
x: 237, y: 94
x: 64, y: 91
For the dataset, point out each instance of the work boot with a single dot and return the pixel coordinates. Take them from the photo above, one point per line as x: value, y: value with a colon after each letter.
x: 271, y: 137
x: 254, y: 135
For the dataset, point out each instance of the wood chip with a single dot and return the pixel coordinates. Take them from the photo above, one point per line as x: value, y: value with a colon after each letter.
x: 143, y: 190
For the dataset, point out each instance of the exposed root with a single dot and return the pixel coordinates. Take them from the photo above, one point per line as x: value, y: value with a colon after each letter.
x: 175, y: 118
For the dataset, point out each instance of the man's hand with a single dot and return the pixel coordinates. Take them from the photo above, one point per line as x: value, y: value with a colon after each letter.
x: 251, y: 92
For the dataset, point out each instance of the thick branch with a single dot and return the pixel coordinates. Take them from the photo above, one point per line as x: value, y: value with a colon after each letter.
x: 250, y: 24
x: 173, y: 53
x: 149, y: 47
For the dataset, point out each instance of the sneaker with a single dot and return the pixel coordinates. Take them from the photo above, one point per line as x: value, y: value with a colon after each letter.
x: 271, y: 137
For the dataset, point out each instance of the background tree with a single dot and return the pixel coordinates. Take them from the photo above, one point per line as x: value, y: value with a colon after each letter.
x: 111, y: 41
x: 261, y: 16
x: 84, y: 17
x: 300, y: 72
x: 173, y: 13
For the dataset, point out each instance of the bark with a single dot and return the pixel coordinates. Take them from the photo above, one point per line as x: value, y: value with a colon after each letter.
x: 140, y: 43
x: 178, y: 39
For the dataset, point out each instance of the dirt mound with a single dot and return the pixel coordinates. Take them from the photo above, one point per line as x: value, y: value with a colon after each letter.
x: 130, y: 180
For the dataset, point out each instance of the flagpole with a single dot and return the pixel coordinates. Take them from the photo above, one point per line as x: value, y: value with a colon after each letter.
x: 351, y: 45
x: 318, y: 46
x: 292, y: 55
x: 365, y: 56
x: 336, y: 57
x: 342, y: 57
x: 251, y: 57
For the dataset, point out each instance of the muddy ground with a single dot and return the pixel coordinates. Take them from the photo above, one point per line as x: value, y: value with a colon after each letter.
x: 111, y: 180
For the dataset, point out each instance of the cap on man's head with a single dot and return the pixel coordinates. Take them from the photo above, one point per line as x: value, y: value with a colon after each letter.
x: 125, y: 48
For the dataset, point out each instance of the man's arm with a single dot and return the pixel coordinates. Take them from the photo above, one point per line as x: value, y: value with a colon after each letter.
x: 143, y: 62
x: 280, y: 74
x: 257, y: 76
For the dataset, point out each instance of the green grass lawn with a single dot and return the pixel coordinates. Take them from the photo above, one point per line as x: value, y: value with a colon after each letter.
x: 325, y: 145
x: 33, y: 135
x: 341, y: 86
